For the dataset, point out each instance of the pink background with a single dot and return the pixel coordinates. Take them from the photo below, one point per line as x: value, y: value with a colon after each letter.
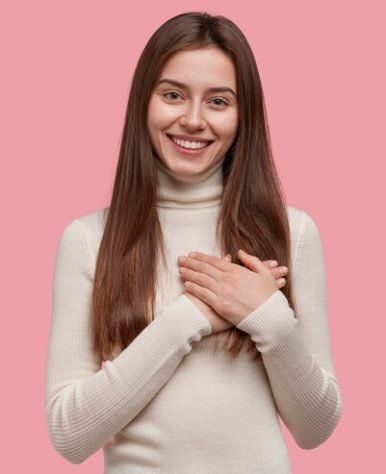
x: 66, y: 72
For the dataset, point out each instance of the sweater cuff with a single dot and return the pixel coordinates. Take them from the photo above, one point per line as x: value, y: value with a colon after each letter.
x: 187, y: 319
x: 271, y: 322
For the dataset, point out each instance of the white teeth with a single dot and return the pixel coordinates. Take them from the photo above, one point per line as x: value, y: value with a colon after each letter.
x: 187, y: 144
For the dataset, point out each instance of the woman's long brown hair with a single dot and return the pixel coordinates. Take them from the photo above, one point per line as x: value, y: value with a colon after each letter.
x: 253, y: 214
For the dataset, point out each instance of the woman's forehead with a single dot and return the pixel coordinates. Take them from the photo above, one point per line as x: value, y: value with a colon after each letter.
x: 196, y: 67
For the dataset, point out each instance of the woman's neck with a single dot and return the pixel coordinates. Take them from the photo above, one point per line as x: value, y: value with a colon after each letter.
x: 195, y: 191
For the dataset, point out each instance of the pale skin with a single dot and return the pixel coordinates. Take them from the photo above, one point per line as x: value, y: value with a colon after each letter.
x: 226, y: 292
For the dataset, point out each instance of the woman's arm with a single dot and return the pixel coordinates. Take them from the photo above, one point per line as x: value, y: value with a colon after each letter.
x: 86, y: 405
x: 296, y: 351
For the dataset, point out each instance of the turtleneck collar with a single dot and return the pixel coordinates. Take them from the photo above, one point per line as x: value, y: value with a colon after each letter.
x: 198, y: 191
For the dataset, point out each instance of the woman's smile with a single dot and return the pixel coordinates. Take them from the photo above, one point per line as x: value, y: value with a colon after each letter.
x: 193, y: 110
x: 189, y: 147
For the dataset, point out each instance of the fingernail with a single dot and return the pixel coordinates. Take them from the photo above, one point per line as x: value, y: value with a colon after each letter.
x: 274, y: 263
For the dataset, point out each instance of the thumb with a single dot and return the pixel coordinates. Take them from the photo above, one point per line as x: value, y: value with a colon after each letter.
x: 251, y: 261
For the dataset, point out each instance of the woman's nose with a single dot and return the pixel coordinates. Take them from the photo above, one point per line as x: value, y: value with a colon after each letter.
x: 193, y: 118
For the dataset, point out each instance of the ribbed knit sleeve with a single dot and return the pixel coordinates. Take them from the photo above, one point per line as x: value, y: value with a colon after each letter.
x: 87, y: 404
x: 296, y: 351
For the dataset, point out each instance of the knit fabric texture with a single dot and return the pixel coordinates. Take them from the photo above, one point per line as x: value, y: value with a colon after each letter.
x: 166, y: 403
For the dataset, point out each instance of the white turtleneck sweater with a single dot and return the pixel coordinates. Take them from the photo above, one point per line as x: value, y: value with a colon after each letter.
x: 166, y: 403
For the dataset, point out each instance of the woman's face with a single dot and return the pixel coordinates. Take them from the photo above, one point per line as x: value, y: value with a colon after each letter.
x: 194, y: 99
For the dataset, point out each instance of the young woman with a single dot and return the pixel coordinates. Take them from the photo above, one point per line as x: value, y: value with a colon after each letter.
x: 183, y: 365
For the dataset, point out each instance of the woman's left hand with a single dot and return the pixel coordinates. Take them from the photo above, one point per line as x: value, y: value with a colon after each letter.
x: 231, y: 290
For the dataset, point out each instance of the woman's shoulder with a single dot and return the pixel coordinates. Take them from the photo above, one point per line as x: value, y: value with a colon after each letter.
x: 93, y: 221
x: 89, y: 226
x: 299, y: 220
x: 304, y: 232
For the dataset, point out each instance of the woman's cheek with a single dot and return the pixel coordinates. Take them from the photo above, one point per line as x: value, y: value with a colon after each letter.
x: 227, y: 125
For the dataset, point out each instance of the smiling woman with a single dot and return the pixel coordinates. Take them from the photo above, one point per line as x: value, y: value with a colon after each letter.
x: 184, y: 119
x: 184, y: 365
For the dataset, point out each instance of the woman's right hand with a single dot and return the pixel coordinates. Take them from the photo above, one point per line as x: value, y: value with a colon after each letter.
x: 220, y: 324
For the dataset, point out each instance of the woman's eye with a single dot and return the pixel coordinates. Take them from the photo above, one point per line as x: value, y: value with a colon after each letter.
x: 171, y: 93
x: 222, y: 102
x: 173, y: 96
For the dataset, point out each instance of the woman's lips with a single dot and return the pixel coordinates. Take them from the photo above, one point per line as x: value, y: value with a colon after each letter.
x: 189, y: 151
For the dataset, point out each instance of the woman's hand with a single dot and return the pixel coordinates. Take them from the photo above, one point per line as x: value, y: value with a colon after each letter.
x: 231, y: 291
x: 218, y: 323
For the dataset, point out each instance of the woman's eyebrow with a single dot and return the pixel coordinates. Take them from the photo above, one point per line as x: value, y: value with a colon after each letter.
x: 183, y: 86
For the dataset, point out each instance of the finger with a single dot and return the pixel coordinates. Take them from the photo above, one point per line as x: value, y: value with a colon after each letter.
x: 252, y: 262
x: 281, y: 282
x: 216, y: 262
x: 270, y: 263
x: 201, y: 279
x: 276, y: 271
x: 279, y: 271
x: 227, y: 257
x: 204, y: 294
